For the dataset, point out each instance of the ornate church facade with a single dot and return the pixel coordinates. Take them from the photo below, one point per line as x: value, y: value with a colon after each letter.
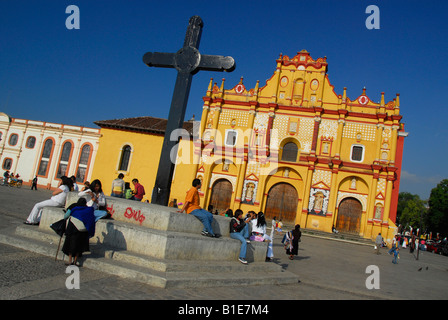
x: 298, y: 151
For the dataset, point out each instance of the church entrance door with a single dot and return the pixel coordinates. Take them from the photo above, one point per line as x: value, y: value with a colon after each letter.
x: 221, y: 195
x: 282, y: 202
x: 349, y: 216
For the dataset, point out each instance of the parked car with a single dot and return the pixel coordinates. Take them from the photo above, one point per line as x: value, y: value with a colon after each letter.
x: 433, y: 246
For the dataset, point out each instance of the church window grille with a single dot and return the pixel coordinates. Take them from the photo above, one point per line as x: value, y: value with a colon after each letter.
x: 357, y: 153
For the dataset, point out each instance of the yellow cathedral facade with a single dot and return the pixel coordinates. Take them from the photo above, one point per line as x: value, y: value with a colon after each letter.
x: 293, y: 148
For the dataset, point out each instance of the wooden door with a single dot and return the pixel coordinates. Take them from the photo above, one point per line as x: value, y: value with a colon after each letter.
x: 221, y: 195
x: 349, y: 216
x: 282, y: 202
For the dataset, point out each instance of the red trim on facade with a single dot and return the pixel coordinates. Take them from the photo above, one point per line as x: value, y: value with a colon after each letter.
x: 340, y: 110
x: 396, y: 186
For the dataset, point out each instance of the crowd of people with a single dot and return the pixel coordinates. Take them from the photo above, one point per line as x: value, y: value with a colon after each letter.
x: 91, y: 191
x: 122, y: 189
x: 82, y: 215
x: 91, y: 206
x: 245, y: 228
x: 400, y: 241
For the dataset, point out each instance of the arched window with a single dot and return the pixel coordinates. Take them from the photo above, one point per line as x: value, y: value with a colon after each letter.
x: 125, y: 156
x: 45, y: 159
x: 7, y: 164
x: 13, y: 139
x: 30, y: 142
x: 64, y: 160
x: 290, y: 151
x: 83, y: 163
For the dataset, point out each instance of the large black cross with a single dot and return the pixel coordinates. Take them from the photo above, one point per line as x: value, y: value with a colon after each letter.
x: 188, y: 61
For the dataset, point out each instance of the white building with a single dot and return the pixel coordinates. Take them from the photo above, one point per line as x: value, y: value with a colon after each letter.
x: 47, y: 150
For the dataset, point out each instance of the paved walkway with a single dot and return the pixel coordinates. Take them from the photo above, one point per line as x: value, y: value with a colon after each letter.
x: 327, y: 270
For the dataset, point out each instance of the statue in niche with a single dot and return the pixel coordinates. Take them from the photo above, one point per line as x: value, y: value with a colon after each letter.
x: 249, y: 194
x: 318, y: 202
x: 378, y: 211
x: 207, y: 135
x: 353, y: 183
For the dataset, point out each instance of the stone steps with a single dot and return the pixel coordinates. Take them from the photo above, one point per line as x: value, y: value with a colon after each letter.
x: 346, y: 237
x: 163, y: 244
x: 165, y: 256
x: 156, y: 272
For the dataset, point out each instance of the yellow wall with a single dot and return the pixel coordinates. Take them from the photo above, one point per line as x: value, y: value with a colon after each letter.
x: 184, y: 172
x: 143, y: 162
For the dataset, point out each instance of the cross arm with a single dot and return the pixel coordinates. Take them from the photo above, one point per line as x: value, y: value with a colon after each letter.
x: 216, y: 63
x: 159, y: 59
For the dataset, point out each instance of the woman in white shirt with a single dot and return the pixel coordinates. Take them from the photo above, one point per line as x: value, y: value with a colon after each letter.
x: 57, y: 200
x: 95, y: 198
x: 259, y: 229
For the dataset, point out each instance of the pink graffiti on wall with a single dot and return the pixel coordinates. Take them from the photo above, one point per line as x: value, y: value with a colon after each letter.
x: 137, y: 215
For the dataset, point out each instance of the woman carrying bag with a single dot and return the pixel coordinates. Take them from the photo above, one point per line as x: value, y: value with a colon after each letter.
x: 80, y: 228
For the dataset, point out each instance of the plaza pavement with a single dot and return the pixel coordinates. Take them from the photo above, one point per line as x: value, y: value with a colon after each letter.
x: 327, y: 269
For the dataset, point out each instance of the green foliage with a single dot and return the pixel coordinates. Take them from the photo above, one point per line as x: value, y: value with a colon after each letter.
x: 438, y: 208
x: 410, y: 210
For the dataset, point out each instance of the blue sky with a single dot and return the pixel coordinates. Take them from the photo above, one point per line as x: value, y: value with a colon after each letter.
x: 50, y: 73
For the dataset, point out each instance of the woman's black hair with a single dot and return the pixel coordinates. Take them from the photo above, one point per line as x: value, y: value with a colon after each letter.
x: 94, y: 183
x: 261, y: 220
x: 81, y: 202
x: 67, y: 181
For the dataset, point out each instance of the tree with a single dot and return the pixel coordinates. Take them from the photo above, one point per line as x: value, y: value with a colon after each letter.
x: 409, y: 209
x: 438, y: 208
x: 413, y: 214
x: 412, y: 209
